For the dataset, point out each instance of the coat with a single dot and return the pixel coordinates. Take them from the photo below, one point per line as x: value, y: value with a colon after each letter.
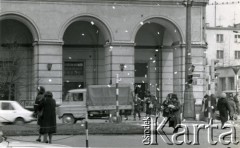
x: 213, y: 101
x: 165, y: 108
x: 223, y: 108
x: 36, y: 107
x: 48, y: 119
x: 174, y: 113
x: 232, y: 107
x: 137, y: 104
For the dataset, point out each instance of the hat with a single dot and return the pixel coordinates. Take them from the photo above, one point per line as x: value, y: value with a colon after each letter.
x: 48, y: 94
x: 223, y: 95
x: 41, y: 89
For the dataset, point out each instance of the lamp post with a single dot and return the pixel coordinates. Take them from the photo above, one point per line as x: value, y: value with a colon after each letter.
x: 189, y: 103
x: 235, y: 70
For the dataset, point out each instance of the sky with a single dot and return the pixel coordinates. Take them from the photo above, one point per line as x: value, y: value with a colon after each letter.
x: 224, y: 13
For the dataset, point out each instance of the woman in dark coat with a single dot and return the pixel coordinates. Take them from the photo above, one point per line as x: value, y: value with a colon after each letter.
x: 48, y: 121
x: 174, y: 112
x: 171, y: 110
x: 40, y: 96
x: 223, y: 108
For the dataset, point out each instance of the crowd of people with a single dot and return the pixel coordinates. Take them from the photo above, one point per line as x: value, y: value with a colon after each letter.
x: 170, y: 108
x: 226, y: 104
x: 44, y: 110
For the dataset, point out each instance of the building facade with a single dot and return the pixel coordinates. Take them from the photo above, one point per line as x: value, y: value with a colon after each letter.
x: 71, y: 44
x: 224, y: 46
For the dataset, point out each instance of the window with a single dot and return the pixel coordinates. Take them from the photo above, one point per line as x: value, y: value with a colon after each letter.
x: 73, y: 68
x: 7, y: 106
x: 219, y: 38
x: 231, y: 83
x: 237, y: 38
x: 223, y: 84
x: 237, y: 54
x: 141, y: 69
x: 219, y: 54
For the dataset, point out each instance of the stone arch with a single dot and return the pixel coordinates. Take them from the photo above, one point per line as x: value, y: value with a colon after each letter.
x: 163, y: 21
x: 23, y: 19
x: 156, y: 39
x: 98, y: 22
x: 17, y: 38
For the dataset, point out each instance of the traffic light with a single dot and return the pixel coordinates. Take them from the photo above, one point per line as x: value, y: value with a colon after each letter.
x: 214, y: 75
x: 190, y: 75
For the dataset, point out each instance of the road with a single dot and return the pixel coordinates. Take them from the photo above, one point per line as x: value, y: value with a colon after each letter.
x: 128, y: 140
x: 136, y: 140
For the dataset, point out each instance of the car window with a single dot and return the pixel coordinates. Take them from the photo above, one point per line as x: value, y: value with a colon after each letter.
x: 7, y: 106
x: 77, y: 97
x: 74, y: 97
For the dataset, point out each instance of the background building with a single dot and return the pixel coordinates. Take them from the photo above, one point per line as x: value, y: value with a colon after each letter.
x: 71, y: 44
x: 223, y: 46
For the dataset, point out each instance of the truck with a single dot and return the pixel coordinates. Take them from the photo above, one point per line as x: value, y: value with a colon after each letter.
x: 95, y: 101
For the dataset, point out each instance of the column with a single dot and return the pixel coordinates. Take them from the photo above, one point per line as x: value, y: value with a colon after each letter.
x: 48, y: 68
x: 198, y: 61
x: 167, y: 71
x: 115, y: 55
x: 178, y: 72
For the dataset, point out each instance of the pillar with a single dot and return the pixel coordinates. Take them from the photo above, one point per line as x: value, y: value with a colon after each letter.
x: 116, y: 54
x: 167, y: 71
x: 47, y: 69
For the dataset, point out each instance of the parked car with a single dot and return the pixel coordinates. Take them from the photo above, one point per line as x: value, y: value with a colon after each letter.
x: 13, y: 112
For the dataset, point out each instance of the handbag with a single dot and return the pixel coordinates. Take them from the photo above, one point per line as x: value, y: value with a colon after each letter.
x: 40, y: 113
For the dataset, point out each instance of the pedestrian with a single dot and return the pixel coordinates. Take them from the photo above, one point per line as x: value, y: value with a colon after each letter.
x: 37, y: 111
x: 223, y: 108
x: 137, y: 107
x: 165, y: 108
x: 174, y: 114
x: 48, y: 124
x: 205, y: 106
x: 147, y: 101
x: 213, y: 103
x: 232, y: 105
x: 153, y: 105
x: 171, y: 110
x: 236, y: 99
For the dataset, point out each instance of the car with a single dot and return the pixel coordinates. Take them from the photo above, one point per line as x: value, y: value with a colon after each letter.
x: 13, y: 112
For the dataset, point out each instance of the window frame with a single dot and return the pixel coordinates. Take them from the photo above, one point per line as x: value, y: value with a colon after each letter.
x: 236, y: 38
x: 237, y: 54
x: 220, y: 54
x: 219, y: 38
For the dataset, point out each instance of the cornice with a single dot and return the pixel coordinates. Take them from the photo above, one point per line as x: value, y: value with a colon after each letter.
x: 48, y: 42
x: 116, y: 2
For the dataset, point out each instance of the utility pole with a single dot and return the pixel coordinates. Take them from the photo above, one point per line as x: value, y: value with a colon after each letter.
x: 189, y: 102
x: 215, y: 13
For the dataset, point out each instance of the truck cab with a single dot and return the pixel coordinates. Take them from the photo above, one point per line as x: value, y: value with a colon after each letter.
x: 73, y: 106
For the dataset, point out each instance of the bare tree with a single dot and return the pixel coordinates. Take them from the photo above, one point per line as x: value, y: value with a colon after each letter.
x: 9, y: 69
x: 12, y: 71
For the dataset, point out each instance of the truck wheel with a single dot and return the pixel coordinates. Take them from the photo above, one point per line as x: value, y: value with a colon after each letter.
x: 68, y: 119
